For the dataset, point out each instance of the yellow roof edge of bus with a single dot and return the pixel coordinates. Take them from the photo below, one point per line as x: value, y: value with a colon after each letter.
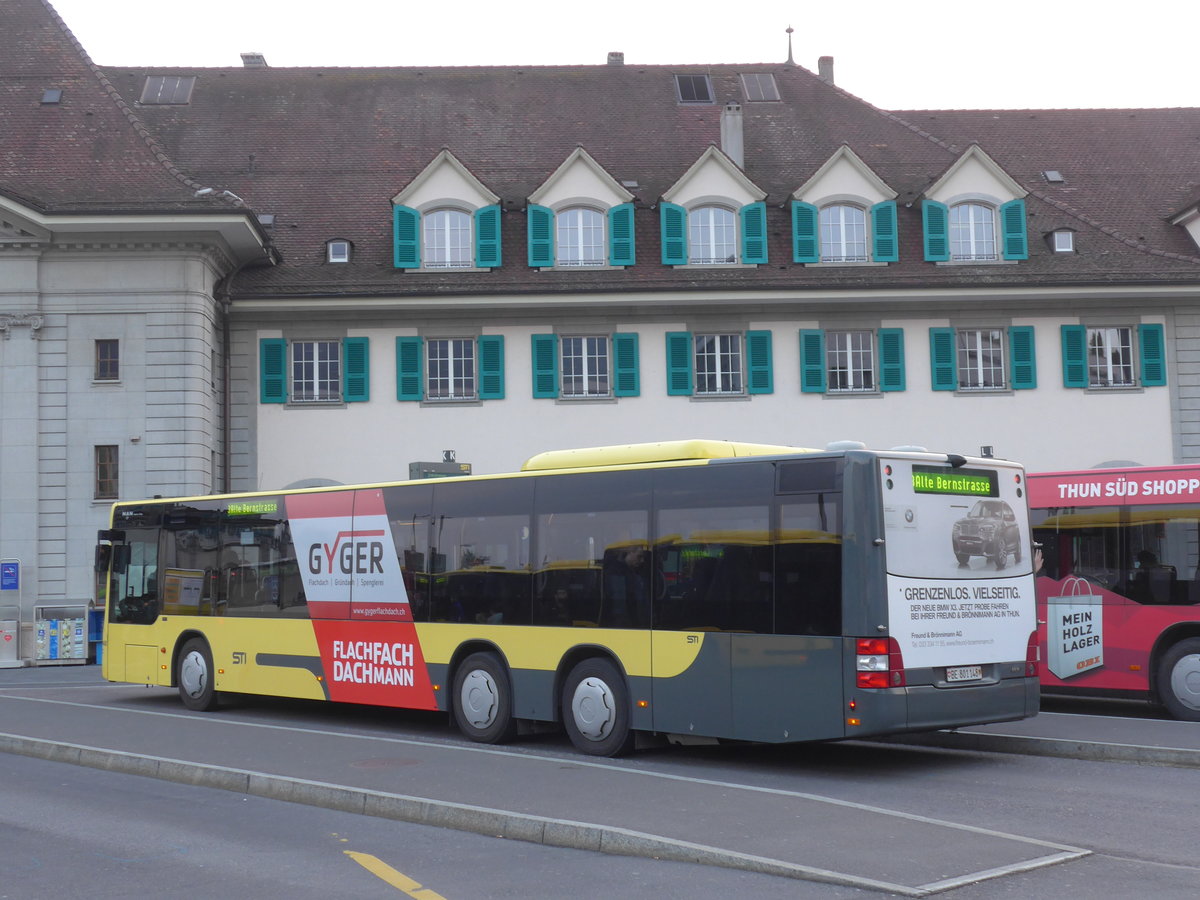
x: 660, y: 451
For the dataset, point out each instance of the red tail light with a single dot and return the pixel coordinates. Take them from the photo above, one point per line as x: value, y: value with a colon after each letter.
x: 878, y: 663
x: 1032, y: 656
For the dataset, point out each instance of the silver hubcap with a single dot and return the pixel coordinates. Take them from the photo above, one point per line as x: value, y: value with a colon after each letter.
x: 479, y: 698
x: 193, y: 674
x: 593, y: 709
x: 1185, y: 681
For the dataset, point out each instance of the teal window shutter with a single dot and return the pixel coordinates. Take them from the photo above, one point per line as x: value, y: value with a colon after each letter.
x: 621, y: 249
x: 812, y: 361
x: 1022, y: 357
x: 406, y: 237
x: 490, y: 348
x: 410, y: 381
x: 679, y: 363
x: 754, y: 232
x: 487, y: 237
x: 806, y: 246
x: 1154, y: 359
x: 936, y: 217
x: 545, y: 365
x: 540, y: 235
x: 891, y: 359
x: 943, y: 371
x: 759, y: 379
x: 1074, y: 356
x: 356, y: 369
x: 272, y: 370
x: 672, y: 221
x: 1012, y: 225
x: 626, y: 380
x: 886, y: 246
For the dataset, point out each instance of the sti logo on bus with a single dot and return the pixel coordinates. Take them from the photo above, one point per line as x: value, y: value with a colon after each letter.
x: 353, y: 557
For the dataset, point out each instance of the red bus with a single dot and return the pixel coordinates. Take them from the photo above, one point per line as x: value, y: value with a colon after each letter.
x: 1119, y: 591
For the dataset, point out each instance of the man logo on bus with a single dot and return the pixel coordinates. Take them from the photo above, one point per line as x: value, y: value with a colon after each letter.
x: 354, y: 557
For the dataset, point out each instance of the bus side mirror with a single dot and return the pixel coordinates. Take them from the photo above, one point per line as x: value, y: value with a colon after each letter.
x: 103, y: 557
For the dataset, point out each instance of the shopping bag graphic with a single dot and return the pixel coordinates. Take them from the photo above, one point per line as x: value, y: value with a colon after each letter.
x: 1075, y: 629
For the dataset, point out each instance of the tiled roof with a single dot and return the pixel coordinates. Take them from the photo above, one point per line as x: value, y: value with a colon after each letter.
x: 86, y: 153
x: 324, y: 150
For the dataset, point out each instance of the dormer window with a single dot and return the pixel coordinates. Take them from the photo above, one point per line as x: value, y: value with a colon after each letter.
x: 843, y: 233
x: 712, y: 236
x: 446, y: 239
x: 337, y: 252
x: 972, y: 232
x: 445, y: 218
x: 579, y: 238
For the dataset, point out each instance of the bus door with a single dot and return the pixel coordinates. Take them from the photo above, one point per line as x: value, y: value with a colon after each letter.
x: 134, y: 604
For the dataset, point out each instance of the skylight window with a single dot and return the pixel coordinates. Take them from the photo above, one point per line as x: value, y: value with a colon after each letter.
x: 760, y: 87
x: 168, y: 90
x: 51, y: 97
x: 693, y: 89
x: 1053, y: 176
x: 1064, y: 241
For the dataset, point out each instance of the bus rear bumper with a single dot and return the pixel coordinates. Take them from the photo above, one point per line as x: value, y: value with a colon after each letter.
x: 929, y: 708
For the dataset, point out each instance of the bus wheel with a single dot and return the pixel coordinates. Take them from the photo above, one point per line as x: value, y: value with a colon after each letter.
x: 195, y: 676
x: 595, y: 709
x: 483, y: 700
x: 1179, y: 680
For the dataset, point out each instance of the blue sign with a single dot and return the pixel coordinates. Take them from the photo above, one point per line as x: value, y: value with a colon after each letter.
x: 10, y: 576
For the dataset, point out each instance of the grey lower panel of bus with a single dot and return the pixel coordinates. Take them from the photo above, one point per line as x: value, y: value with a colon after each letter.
x: 781, y: 688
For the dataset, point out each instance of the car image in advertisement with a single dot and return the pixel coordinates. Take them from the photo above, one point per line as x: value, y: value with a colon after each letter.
x: 960, y: 580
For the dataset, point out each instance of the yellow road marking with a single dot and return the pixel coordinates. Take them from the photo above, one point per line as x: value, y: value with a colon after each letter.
x: 398, y: 880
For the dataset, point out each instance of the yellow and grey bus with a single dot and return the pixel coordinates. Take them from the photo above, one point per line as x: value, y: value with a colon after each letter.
x: 705, y: 589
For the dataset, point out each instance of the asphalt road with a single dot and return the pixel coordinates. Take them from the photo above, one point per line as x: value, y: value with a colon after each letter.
x: 900, y: 819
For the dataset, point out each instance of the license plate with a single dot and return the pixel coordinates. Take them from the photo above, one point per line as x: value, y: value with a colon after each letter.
x: 964, y: 673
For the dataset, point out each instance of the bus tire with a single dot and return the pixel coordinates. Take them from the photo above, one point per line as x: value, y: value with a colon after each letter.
x: 595, y: 709
x: 1178, y: 681
x: 194, y: 675
x: 483, y: 700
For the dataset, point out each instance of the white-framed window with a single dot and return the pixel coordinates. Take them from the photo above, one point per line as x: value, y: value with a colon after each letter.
x: 446, y: 239
x: 450, y: 369
x: 981, y: 359
x: 337, y: 252
x: 316, y: 371
x: 585, y: 367
x: 712, y: 235
x: 580, y: 238
x: 850, y: 361
x: 973, y: 232
x: 1110, y: 357
x: 1064, y: 241
x: 718, y: 364
x: 843, y: 231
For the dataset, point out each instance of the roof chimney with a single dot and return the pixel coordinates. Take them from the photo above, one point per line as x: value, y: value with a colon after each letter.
x: 254, y: 61
x: 825, y: 68
x: 616, y: 58
x: 732, y: 141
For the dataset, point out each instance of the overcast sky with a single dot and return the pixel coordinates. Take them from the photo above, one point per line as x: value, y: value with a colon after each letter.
x: 896, y: 54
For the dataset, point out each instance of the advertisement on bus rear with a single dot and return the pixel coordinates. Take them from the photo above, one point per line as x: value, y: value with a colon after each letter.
x: 960, y: 579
